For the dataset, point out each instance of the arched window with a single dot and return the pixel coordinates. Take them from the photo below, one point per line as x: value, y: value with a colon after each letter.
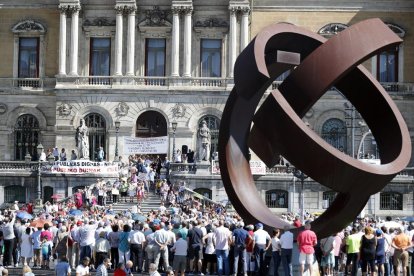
x: 151, y: 124
x: 334, y: 132
x: 391, y: 201
x: 213, y: 123
x: 328, y: 197
x: 97, y: 134
x: 47, y: 194
x: 205, y: 192
x: 13, y: 193
x: 277, y: 199
x: 26, y: 133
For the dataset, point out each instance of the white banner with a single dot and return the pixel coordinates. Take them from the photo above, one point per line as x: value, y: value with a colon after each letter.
x: 256, y: 167
x: 152, y: 145
x: 80, y: 167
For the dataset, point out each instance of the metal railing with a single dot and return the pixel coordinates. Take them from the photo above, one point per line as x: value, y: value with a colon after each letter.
x: 187, y: 168
x: 27, y: 83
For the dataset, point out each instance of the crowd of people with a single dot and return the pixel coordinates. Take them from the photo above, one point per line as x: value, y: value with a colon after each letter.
x: 185, y: 235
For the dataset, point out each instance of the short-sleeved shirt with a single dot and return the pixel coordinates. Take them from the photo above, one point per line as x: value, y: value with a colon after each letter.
x: 260, y: 236
x: 46, y: 234
x: 401, y: 240
x: 240, y: 235
x: 62, y: 269
x: 353, y: 243
x: 82, y: 270
x: 306, y: 240
x: 195, y: 236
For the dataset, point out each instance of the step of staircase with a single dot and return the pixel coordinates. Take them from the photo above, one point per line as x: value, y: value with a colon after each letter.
x: 152, y: 202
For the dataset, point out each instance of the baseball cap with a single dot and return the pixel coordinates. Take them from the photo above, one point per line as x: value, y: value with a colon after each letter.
x: 378, y: 232
x: 259, y: 225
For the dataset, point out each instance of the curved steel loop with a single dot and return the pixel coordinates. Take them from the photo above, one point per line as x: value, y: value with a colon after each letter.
x: 278, y: 128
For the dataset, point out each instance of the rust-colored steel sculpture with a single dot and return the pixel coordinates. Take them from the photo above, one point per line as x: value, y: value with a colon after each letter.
x: 317, y: 64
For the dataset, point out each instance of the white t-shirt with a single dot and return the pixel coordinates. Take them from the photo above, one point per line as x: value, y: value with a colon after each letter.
x: 221, y: 235
x: 82, y: 270
x: 261, y: 236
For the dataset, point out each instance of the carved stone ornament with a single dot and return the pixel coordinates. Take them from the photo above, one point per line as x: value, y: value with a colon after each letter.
x: 332, y: 29
x: 3, y: 108
x: 64, y: 109
x: 99, y: 22
x: 211, y: 22
x: 178, y: 110
x: 122, y: 109
x: 28, y: 26
x: 156, y: 17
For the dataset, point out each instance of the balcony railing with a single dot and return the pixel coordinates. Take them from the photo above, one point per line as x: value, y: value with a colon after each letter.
x: 27, y: 83
x: 70, y: 82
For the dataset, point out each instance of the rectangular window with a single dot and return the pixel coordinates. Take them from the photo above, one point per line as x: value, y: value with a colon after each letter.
x: 210, y: 58
x: 100, y: 57
x: 387, y: 66
x: 29, y: 57
x: 155, y: 57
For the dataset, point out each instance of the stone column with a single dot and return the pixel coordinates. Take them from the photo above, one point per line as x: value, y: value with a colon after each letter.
x: 232, y: 41
x: 118, y: 40
x: 74, y: 44
x: 62, y: 41
x: 131, y: 42
x: 187, y: 42
x: 244, y: 32
x: 175, y: 47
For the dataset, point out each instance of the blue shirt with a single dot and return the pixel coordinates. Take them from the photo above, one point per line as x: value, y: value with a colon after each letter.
x: 123, y: 241
x: 240, y: 235
x: 62, y: 269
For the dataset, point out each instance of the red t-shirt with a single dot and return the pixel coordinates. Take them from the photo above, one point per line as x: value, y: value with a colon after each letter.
x: 307, y: 240
x: 119, y: 272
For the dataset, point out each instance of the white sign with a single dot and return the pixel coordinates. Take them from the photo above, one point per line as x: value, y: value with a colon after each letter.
x: 256, y: 167
x: 80, y: 167
x: 152, y: 145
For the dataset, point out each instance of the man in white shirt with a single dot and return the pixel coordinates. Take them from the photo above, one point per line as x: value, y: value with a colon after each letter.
x: 261, y: 242
x: 9, y: 240
x: 286, y: 244
x: 223, y: 238
x: 160, y: 247
x: 137, y: 241
x: 87, y: 238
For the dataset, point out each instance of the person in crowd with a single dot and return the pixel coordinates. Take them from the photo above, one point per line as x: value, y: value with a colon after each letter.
x: 353, y: 244
x: 62, y: 268
x: 102, y: 269
x: 124, y: 246
x: 401, y: 242
x: 120, y: 270
x: 327, y: 246
x: 380, y: 252
x: 102, y: 249
x: 101, y: 154
x: 180, y: 249
x: 306, y: 242
x: 223, y: 238
x: 73, y: 156
x: 26, y: 246
x: 240, y: 236
x: 367, y: 251
x: 83, y: 268
x: 62, y: 155
x: 153, y: 270
x: 27, y: 271
x: 56, y: 153
x: 261, y: 242
x: 276, y: 251
x: 286, y: 245
x: 137, y: 243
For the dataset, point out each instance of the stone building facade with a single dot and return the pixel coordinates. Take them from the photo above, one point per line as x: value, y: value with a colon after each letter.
x: 146, y: 66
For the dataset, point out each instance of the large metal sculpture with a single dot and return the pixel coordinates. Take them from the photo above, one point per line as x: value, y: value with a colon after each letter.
x: 317, y: 64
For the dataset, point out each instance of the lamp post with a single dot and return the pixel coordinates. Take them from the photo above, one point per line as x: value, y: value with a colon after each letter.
x: 117, y: 125
x: 301, y: 176
x: 174, y: 128
x: 38, y: 202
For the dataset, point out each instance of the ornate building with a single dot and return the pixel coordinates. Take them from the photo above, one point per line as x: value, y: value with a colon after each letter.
x: 130, y: 68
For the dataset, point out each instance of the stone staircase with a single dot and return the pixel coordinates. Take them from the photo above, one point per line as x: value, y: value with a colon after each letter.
x: 151, y: 202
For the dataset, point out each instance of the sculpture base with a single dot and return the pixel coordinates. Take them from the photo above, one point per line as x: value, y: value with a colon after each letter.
x: 38, y: 206
x: 203, y: 168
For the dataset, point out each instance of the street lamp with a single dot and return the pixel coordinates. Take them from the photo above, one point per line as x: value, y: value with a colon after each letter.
x: 117, y: 125
x: 301, y: 176
x: 38, y: 203
x: 174, y: 128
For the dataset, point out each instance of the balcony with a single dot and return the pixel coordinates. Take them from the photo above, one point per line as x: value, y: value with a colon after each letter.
x: 27, y: 83
x: 134, y: 82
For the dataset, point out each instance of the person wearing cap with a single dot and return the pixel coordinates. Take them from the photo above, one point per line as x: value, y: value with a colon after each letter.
x: 380, y: 252
x: 102, y: 269
x: 401, y: 242
x: 239, y: 241
x: 306, y: 241
x: 286, y: 245
x: 101, y: 249
x: 261, y: 242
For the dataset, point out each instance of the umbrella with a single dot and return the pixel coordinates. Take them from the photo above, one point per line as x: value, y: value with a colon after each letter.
x: 24, y: 215
x: 139, y: 217
x: 75, y: 212
x: 409, y: 219
x: 39, y: 223
x: 56, y: 196
x: 390, y: 224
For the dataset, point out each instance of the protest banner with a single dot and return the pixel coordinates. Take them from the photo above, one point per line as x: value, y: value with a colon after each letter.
x: 151, y: 145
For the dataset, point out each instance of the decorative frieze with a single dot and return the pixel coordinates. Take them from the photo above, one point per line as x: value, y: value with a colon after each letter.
x: 99, y: 22
x: 122, y: 109
x: 156, y: 17
x: 28, y: 26
x: 64, y: 109
x: 178, y: 110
